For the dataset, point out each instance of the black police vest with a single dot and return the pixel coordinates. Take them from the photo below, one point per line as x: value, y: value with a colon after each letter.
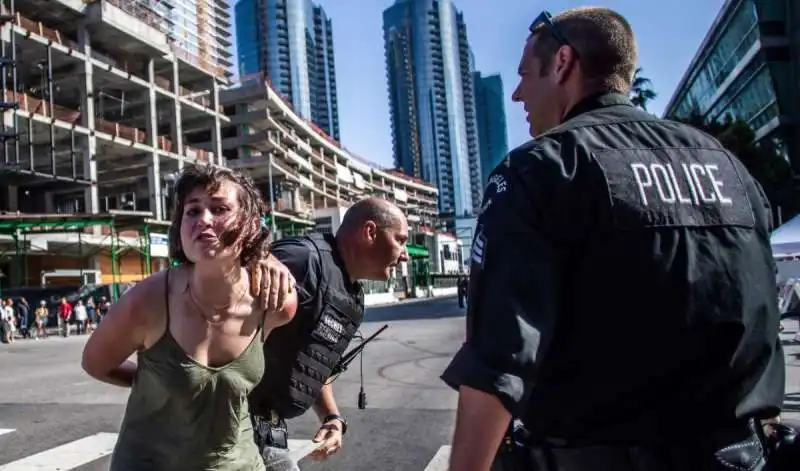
x: 321, y: 342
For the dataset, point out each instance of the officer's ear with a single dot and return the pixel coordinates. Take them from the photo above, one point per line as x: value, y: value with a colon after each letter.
x: 564, y: 63
x: 370, y: 231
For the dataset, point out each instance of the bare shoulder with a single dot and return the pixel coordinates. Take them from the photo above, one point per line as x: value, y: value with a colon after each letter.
x: 133, y: 320
x: 150, y: 286
x: 144, y: 300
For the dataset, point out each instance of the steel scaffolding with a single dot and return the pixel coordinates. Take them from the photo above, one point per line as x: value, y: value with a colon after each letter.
x: 9, y: 61
x: 22, y: 226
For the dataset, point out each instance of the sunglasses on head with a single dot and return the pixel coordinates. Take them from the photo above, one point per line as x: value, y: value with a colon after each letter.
x: 545, y: 20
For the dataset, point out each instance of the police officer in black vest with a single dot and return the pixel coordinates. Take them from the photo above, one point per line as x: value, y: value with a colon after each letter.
x: 634, y: 323
x: 301, y: 355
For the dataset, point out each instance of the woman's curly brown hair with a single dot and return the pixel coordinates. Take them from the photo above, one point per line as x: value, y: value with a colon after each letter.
x: 247, y: 229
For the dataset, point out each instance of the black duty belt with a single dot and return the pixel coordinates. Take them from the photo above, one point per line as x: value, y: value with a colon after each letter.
x: 604, y: 458
x: 737, y: 447
x: 270, y: 432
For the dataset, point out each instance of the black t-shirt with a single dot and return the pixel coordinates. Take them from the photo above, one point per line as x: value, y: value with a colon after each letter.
x: 622, y: 282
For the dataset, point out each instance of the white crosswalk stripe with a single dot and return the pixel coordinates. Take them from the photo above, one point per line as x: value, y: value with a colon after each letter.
x: 299, y: 449
x: 94, y: 447
x: 67, y: 456
x: 440, y: 460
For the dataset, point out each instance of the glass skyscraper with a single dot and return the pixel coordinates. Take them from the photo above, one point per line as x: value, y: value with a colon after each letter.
x: 491, y: 122
x: 432, y: 100
x: 291, y: 41
x: 748, y: 67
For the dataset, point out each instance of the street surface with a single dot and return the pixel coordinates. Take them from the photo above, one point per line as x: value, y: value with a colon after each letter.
x: 55, y: 418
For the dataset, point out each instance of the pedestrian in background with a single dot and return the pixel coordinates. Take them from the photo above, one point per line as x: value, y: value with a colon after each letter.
x: 64, y: 316
x: 81, y: 317
x: 42, y: 317
x: 461, y: 287
x: 91, y: 311
x: 24, y: 317
x: 7, y: 320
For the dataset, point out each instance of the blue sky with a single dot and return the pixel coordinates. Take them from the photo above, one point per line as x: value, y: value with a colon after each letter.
x: 668, y: 33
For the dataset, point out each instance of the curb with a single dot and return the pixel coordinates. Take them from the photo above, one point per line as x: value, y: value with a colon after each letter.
x: 400, y: 302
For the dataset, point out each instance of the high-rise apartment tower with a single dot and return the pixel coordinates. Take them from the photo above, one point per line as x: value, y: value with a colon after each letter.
x: 432, y: 99
x: 291, y: 42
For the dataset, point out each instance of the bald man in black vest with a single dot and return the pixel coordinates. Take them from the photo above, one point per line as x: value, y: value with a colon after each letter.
x: 301, y: 355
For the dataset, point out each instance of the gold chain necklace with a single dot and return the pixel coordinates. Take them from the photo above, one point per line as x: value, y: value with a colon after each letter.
x: 215, y: 311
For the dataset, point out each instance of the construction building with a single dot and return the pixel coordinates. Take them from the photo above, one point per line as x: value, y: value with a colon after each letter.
x: 101, y: 108
x: 309, y: 179
x: 305, y: 174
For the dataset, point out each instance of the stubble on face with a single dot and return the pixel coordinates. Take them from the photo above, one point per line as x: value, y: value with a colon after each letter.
x: 540, y: 91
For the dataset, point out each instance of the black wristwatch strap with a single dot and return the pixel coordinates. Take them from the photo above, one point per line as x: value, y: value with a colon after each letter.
x: 338, y: 417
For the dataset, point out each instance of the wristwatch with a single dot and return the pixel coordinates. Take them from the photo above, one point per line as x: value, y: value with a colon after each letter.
x: 338, y: 417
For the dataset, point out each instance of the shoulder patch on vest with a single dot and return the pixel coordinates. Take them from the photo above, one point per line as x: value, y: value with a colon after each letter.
x: 478, y: 248
x: 674, y: 187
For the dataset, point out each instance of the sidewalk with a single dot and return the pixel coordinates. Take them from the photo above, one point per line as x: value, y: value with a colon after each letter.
x: 405, y: 301
x: 51, y: 332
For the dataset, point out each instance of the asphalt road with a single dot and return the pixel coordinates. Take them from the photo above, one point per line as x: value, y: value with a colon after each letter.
x: 55, y: 418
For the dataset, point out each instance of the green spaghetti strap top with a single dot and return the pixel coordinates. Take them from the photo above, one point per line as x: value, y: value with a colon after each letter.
x: 182, y: 415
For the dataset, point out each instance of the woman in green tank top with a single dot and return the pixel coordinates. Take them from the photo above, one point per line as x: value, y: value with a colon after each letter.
x: 197, y: 331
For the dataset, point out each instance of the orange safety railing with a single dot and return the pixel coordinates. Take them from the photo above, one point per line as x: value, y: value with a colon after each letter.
x: 287, y: 206
x: 198, y: 154
x: 41, y: 107
x: 37, y: 27
x: 34, y: 105
x: 120, y: 130
x: 164, y: 143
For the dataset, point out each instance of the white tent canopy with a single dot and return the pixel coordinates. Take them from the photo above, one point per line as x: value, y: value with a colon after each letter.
x: 785, y: 240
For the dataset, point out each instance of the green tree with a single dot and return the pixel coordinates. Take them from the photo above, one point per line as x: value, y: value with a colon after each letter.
x: 761, y: 159
x: 641, y: 90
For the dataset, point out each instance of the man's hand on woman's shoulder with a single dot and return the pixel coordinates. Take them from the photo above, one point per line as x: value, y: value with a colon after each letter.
x: 273, y: 283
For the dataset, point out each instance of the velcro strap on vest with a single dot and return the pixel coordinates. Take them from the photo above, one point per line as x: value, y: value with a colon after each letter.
x: 312, y: 368
x: 302, y: 393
